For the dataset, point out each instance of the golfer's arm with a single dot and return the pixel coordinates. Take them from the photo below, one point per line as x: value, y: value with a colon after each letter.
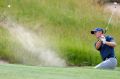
x: 98, y: 44
x: 112, y: 44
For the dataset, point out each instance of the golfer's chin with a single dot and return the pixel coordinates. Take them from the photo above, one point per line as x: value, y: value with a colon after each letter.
x: 96, y: 36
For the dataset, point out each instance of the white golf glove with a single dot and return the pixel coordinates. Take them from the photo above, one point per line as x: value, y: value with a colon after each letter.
x: 103, y: 39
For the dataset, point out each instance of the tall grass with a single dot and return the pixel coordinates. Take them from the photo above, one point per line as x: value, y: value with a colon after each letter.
x: 5, y: 46
x: 67, y: 23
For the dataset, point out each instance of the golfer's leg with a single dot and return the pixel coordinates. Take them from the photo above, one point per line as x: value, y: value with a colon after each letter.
x: 107, y: 64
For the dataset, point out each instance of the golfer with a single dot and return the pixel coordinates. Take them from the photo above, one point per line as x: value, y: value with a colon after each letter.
x: 105, y: 44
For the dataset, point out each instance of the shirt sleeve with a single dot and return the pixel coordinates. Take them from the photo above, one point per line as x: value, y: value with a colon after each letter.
x: 110, y: 39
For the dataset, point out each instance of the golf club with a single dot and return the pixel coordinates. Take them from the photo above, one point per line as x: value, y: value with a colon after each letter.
x: 115, y: 3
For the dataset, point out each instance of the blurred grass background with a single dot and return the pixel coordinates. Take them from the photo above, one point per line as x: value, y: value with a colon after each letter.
x: 66, y: 23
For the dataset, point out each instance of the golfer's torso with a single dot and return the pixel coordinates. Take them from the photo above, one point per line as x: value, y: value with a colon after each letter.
x: 107, y: 51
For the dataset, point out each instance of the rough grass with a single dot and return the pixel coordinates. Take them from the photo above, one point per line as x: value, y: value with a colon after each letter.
x: 66, y: 23
x: 37, y: 72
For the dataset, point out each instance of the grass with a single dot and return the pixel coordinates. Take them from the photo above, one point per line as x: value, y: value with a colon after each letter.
x: 36, y: 72
x: 66, y: 24
x: 5, y: 43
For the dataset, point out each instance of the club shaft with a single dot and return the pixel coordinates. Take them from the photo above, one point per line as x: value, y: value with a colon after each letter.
x: 110, y: 19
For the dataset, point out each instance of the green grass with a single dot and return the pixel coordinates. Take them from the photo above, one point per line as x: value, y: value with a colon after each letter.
x: 66, y: 24
x: 5, y: 45
x: 10, y: 71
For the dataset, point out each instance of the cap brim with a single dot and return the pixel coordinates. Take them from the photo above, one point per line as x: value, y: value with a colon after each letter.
x: 93, y: 32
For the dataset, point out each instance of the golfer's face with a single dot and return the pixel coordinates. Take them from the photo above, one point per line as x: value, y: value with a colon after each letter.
x: 98, y: 34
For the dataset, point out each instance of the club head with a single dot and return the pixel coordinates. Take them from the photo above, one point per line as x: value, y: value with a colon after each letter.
x: 115, y: 3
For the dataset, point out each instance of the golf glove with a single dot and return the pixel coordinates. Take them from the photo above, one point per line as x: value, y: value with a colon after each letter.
x: 103, y: 39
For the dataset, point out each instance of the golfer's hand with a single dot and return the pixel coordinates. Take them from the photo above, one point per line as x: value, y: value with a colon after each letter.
x: 98, y: 44
x: 103, y: 39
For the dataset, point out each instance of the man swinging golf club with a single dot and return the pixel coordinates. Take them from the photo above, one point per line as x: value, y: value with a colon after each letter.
x: 105, y: 45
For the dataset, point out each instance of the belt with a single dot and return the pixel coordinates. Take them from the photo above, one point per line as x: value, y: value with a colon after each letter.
x: 109, y: 57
